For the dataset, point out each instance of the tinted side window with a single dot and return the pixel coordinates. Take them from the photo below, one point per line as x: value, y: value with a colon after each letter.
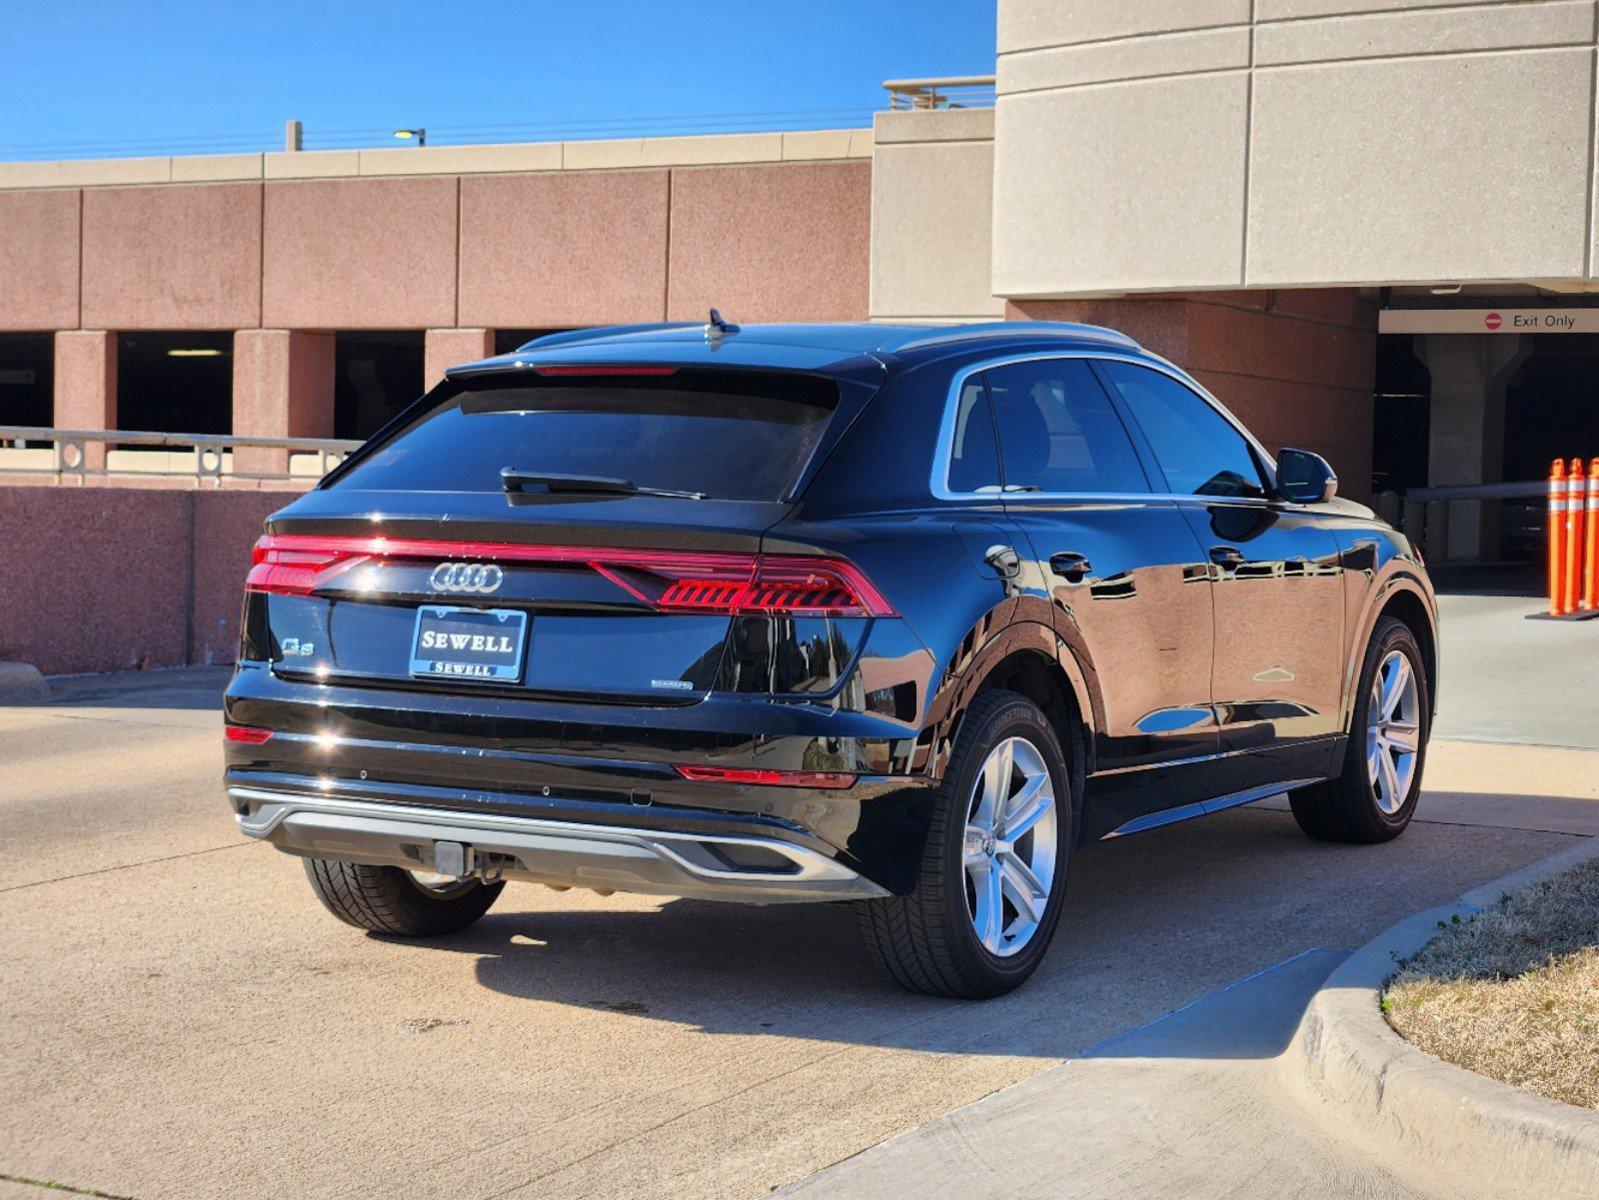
x: 973, y: 453
x: 1058, y: 431
x: 1197, y: 448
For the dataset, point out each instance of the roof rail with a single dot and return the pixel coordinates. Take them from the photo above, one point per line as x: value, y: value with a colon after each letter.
x: 1066, y: 330
x: 574, y: 337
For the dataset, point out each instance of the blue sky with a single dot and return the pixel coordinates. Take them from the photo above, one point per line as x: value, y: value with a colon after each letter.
x: 85, y: 78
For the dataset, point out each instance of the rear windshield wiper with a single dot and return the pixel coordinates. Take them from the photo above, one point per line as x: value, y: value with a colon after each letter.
x: 521, y: 482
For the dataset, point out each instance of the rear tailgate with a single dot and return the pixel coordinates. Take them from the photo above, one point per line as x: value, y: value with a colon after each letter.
x: 340, y: 604
x: 414, y: 565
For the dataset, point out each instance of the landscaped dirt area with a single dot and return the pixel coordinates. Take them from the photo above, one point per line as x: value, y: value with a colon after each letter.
x: 1513, y: 993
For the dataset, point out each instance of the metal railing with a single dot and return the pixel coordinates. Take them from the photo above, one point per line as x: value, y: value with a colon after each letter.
x: 64, y: 455
x: 953, y: 91
x: 1425, y: 510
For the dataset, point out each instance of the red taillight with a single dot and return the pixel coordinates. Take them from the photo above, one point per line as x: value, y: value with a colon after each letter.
x: 753, y: 585
x: 247, y: 734
x: 295, y: 566
x: 604, y: 369
x: 767, y: 778
x: 667, y: 580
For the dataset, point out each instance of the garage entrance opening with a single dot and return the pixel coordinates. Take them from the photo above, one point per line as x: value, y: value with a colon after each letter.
x: 1456, y: 409
x: 27, y: 378
x: 175, y: 382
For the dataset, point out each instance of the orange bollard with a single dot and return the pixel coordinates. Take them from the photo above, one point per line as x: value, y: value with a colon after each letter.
x: 1590, y: 587
x: 1557, y: 536
x: 1576, y: 509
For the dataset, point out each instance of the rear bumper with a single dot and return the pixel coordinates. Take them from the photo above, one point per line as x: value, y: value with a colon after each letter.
x: 758, y: 866
x: 534, y: 761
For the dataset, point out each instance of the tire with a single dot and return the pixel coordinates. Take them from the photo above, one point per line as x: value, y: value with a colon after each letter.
x: 1352, y: 807
x: 392, y: 901
x: 928, y: 941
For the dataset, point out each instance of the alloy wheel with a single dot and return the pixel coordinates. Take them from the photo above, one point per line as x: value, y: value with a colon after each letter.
x: 1393, y: 731
x: 1009, y: 848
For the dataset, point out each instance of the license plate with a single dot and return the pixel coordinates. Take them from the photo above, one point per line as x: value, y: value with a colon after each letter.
x: 473, y: 644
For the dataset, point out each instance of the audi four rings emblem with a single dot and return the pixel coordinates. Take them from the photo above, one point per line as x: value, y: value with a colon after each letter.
x: 481, y: 578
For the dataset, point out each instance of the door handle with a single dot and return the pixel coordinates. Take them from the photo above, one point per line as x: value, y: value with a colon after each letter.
x: 1226, y: 556
x: 1070, y: 566
x: 1005, y: 560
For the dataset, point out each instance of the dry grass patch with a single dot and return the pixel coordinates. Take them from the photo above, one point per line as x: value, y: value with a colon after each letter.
x: 1513, y: 993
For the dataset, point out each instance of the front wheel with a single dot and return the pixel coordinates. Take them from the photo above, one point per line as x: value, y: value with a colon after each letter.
x: 993, y: 869
x: 398, y: 902
x: 1374, y: 797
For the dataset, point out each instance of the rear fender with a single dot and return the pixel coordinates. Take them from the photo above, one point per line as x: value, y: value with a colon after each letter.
x: 999, y: 636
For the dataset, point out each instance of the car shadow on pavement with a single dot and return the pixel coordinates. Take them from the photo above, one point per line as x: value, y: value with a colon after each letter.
x: 189, y: 688
x: 1151, y: 924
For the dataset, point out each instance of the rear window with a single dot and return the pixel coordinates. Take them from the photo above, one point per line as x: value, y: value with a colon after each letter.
x: 733, y: 435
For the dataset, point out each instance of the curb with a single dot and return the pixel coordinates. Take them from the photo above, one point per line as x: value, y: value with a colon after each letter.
x: 21, y: 683
x: 1428, y: 1119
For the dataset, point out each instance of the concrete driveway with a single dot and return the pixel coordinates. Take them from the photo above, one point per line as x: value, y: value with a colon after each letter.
x: 178, y: 1017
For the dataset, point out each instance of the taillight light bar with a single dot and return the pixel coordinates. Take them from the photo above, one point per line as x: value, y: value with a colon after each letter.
x: 603, y: 369
x: 764, y: 777
x: 667, y: 580
x: 249, y: 735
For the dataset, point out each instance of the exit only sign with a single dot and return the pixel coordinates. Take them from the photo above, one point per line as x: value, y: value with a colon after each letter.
x: 1488, y: 320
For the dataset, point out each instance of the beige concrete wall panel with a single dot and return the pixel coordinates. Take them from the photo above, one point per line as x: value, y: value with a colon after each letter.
x: 1121, y: 187
x: 606, y: 155
x: 1029, y: 24
x: 781, y: 242
x: 39, y: 260
x: 931, y: 241
x: 360, y: 254
x: 311, y: 164
x: 85, y: 172
x: 216, y: 168
x: 1441, y: 168
x: 1426, y: 31
x: 811, y: 144
x: 1131, y: 58
x: 934, y: 125
x: 172, y: 257
x: 711, y: 149
x: 1288, y: 10
x: 460, y: 160
x: 541, y: 251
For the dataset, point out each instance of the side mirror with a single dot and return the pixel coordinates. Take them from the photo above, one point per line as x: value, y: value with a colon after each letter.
x: 1305, y: 478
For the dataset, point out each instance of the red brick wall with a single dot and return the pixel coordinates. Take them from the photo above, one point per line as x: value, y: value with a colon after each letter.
x: 1297, y: 367
x: 106, y: 579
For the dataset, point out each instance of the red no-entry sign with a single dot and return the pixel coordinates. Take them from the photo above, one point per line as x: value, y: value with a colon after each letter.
x: 1493, y: 321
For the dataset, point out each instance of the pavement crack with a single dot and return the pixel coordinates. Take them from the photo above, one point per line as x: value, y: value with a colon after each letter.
x: 52, y: 1185
x: 665, y: 1121
x: 145, y: 862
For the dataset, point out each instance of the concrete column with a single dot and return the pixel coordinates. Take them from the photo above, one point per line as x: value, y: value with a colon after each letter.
x: 448, y: 347
x: 1466, y: 434
x: 282, y: 387
x: 86, y: 385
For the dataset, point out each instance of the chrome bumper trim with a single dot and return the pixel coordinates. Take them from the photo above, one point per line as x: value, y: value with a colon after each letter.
x: 563, y: 853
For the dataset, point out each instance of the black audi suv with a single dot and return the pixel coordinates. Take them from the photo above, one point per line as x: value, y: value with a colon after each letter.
x: 885, y: 614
